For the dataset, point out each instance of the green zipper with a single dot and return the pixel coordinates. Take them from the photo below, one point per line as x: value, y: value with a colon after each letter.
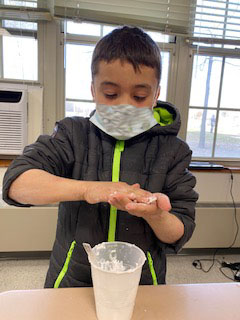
x: 65, y: 267
x: 151, y: 267
x: 119, y: 147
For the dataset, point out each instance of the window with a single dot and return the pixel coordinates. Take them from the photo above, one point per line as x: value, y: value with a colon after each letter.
x: 78, y: 66
x: 217, y: 20
x: 19, y: 58
x: 19, y: 51
x: 214, y: 114
x: 90, y: 29
x: 21, y: 25
x: 78, y: 79
x: 214, y: 110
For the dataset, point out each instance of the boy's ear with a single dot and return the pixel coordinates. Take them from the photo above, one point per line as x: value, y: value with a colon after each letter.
x: 157, y: 96
x: 92, y: 91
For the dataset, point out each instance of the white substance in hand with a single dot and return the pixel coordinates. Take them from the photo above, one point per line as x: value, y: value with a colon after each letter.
x: 148, y: 201
x: 151, y: 199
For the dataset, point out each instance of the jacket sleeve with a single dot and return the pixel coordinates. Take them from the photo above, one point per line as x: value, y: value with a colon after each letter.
x: 53, y: 154
x: 179, y: 188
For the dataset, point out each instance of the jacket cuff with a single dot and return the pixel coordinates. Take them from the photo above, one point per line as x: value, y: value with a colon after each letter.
x: 189, y: 227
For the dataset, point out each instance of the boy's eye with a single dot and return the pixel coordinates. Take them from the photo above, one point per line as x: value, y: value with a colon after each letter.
x: 110, y: 96
x: 137, y: 98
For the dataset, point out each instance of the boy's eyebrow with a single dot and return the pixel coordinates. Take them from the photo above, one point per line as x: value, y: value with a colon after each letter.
x: 137, y: 86
x: 105, y: 83
x: 142, y: 85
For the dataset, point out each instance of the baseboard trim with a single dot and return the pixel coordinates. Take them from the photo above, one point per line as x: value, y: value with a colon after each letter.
x: 25, y: 255
x: 208, y: 251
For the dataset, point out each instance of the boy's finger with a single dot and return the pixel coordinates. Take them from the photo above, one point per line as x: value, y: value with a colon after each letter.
x: 136, y: 185
x: 140, y: 209
x: 163, y: 202
x: 119, y: 200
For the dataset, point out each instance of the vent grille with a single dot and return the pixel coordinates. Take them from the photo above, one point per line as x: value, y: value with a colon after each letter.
x: 11, y: 131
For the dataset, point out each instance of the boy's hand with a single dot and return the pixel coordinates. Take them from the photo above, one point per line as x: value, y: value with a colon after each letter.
x: 100, y: 191
x: 141, y: 207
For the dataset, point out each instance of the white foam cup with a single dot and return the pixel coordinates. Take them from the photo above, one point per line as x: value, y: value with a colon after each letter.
x: 116, y: 274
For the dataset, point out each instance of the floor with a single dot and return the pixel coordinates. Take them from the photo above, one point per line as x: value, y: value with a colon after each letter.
x: 30, y: 274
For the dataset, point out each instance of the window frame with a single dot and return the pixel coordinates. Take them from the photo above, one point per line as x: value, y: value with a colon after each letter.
x: 179, y: 78
x: 92, y: 40
x: 38, y: 35
x: 217, y: 52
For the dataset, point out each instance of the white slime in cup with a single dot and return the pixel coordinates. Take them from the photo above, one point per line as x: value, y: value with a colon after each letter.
x: 116, y: 273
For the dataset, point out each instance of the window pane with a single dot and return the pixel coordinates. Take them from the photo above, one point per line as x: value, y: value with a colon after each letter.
x: 20, y: 58
x: 158, y: 37
x: 81, y: 109
x: 164, y: 78
x: 233, y: 27
x: 225, y: 11
x: 231, y: 20
x: 89, y: 29
x: 211, y: 11
x: 202, y: 17
x: 228, y: 135
x: 212, y: 24
x: 20, y: 25
x: 231, y: 46
x: 200, y: 131
x: 230, y: 97
x: 210, y: 4
x: 78, y: 71
x: 108, y: 29
x: 202, y: 44
x: 207, y: 32
x: 235, y: 35
x: 32, y: 3
x: 205, y: 81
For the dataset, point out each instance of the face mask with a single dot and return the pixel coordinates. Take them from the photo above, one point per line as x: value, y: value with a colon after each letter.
x: 123, y: 121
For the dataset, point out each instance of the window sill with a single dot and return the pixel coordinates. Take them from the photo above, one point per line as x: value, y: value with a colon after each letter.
x: 5, y: 163
x: 224, y: 170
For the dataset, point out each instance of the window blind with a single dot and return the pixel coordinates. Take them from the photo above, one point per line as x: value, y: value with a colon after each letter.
x: 28, y: 10
x: 216, y: 19
x: 169, y: 16
x: 212, y: 20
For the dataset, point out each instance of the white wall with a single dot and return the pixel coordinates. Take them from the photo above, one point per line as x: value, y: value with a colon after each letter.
x: 215, y: 214
x: 214, y: 187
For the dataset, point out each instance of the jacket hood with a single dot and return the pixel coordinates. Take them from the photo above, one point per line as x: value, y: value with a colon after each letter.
x: 168, y: 117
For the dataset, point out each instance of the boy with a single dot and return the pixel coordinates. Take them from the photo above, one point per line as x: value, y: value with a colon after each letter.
x: 114, y: 173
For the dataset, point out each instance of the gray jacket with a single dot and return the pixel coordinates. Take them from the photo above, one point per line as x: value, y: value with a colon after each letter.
x: 157, y: 160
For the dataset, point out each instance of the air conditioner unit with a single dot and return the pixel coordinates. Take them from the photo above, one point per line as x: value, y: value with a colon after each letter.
x: 13, y: 121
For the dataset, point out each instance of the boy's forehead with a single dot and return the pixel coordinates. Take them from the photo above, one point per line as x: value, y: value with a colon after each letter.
x: 117, y: 72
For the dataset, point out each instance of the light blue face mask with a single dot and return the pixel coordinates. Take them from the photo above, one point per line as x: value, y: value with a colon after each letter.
x: 123, y: 121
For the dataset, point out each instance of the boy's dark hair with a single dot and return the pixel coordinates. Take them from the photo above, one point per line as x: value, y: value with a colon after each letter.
x: 128, y: 44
